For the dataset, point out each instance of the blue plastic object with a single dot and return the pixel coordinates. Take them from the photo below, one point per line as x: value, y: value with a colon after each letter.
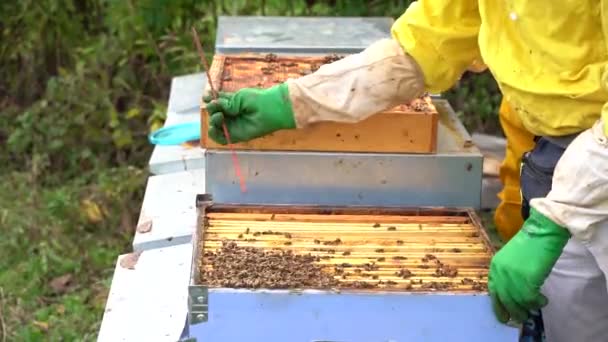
x: 176, y: 134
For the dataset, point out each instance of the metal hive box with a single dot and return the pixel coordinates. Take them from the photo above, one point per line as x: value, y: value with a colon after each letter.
x: 408, y: 128
x: 299, y: 35
x: 451, y: 177
x: 326, y: 273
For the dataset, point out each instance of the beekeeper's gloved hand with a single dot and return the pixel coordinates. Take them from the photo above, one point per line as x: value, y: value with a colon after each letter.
x: 576, y: 206
x: 349, y: 90
x: 520, y: 268
x: 249, y: 113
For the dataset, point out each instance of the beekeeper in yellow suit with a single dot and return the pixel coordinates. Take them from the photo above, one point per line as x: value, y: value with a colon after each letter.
x: 507, y: 216
x: 550, y: 60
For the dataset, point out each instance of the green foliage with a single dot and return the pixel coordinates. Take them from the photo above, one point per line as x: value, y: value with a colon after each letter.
x: 75, y: 230
x: 93, y: 75
x: 82, y: 84
x: 476, y: 100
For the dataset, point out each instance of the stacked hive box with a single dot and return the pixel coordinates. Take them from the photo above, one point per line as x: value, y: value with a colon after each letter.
x: 333, y: 213
x: 408, y: 128
x: 359, y: 253
x: 418, y: 154
x: 330, y: 162
x: 326, y: 273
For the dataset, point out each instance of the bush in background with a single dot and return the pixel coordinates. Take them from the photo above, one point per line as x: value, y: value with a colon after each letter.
x: 82, y: 83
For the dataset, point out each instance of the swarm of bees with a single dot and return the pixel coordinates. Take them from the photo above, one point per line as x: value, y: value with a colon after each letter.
x: 250, y: 267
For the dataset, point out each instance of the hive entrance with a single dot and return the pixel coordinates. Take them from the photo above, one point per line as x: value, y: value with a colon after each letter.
x: 291, y: 248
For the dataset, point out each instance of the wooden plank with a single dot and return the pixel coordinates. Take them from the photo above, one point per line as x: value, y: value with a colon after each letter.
x: 185, y: 93
x: 371, y: 219
x: 183, y: 107
x: 379, y: 248
x: 261, y: 228
x: 417, y: 279
x: 149, y: 301
x: 330, y: 210
x: 401, y: 133
x: 347, y: 239
x: 176, y: 158
x: 169, y: 204
x: 409, y: 128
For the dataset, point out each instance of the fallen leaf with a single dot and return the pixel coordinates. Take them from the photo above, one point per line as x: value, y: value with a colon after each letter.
x: 61, y: 284
x: 41, y: 325
x: 145, y: 226
x: 60, y: 309
x: 130, y: 260
x: 92, y: 210
x: 133, y: 113
x: 156, y: 125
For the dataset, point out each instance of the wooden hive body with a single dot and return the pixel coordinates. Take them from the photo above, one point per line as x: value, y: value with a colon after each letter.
x: 345, y: 248
x: 408, y: 128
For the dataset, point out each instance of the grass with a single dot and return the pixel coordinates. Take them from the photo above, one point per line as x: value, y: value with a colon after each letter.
x: 57, y: 254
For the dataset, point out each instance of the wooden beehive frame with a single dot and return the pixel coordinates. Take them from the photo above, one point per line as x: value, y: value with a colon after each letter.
x: 408, y: 128
x: 409, y: 250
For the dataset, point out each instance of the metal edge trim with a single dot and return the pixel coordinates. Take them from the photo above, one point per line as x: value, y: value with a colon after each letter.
x: 198, y: 296
x: 476, y: 220
x: 388, y: 209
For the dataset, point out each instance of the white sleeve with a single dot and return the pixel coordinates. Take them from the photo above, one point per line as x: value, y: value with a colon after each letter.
x: 353, y: 88
x: 578, y: 199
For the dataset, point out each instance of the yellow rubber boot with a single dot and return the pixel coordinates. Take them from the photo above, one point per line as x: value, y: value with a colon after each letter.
x: 507, y: 217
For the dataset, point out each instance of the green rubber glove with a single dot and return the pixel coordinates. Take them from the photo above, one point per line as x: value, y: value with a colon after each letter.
x: 520, y: 268
x: 250, y: 113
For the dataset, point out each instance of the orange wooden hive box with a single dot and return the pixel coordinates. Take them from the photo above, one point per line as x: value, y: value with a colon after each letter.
x: 408, y: 128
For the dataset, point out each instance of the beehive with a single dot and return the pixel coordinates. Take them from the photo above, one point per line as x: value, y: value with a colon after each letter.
x: 408, y: 128
x: 362, y: 249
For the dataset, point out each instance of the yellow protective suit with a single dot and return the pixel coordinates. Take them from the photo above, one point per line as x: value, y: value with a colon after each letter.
x: 508, y: 217
x: 550, y: 86
x: 549, y: 58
